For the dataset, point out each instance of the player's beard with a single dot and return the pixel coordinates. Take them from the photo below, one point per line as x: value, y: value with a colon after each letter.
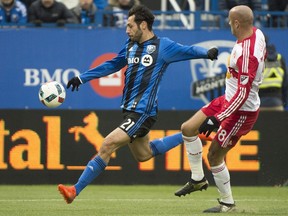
x: 137, y: 36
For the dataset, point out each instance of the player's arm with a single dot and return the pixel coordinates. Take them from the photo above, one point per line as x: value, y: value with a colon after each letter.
x: 245, y: 80
x: 247, y: 71
x: 102, y: 70
x: 106, y: 68
x: 174, y: 52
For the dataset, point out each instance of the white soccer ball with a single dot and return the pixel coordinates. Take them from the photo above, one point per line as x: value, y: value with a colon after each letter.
x: 52, y: 94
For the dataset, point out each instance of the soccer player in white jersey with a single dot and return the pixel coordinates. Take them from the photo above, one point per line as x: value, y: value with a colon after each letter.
x: 233, y: 114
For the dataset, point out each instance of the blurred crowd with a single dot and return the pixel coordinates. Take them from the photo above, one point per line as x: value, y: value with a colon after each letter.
x: 114, y: 12
x: 63, y: 12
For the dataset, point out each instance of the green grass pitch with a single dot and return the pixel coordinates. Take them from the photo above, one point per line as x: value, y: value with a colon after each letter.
x: 105, y: 200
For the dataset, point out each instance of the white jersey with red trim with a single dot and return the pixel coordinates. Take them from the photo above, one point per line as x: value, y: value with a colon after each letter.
x: 244, y: 75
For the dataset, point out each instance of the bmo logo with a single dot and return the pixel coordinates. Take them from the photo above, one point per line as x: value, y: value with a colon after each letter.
x: 147, y: 60
x: 133, y: 60
x: 112, y: 85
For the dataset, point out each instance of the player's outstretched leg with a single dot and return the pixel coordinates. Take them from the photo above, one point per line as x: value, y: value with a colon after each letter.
x: 94, y: 167
x: 221, y: 208
x: 68, y: 192
x: 192, y: 186
x: 161, y: 146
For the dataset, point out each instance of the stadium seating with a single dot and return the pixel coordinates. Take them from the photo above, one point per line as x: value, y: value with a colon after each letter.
x: 172, y: 14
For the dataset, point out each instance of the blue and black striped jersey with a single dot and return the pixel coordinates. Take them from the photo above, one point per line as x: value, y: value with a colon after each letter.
x: 146, y: 65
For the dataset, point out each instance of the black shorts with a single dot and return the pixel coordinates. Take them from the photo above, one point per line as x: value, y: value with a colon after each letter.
x: 137, y: 124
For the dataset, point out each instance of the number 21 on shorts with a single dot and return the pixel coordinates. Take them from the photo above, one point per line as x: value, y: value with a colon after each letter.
x: 127, y: 124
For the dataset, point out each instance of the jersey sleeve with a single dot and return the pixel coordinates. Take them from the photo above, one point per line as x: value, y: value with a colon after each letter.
x: 106, y: 68
x: 247, y: 67
x: 173, y: 52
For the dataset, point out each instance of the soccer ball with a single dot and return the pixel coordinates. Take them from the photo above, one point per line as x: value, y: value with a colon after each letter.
x: 52, y: 94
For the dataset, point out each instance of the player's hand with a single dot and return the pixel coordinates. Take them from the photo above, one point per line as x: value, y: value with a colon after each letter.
x: 75, y: 82
x: 212, y: 53
x: 210, y: 124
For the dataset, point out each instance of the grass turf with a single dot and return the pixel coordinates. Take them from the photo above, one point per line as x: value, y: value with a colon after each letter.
x: 136, y: 200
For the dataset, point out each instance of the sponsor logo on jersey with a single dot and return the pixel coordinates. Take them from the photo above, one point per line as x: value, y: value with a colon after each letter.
x: 147, y: 60
x: 133, y: 60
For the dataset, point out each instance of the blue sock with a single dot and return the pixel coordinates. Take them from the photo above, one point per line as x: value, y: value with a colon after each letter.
x: 92, y: 170
x: 160, y: 146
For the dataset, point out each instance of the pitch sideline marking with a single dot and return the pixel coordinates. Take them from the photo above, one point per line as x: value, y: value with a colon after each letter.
x: 138, y: 200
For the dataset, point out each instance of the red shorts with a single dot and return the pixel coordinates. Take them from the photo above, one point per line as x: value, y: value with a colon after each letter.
x: 232, y: 128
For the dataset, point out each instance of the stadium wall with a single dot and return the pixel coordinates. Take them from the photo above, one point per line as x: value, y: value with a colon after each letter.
x: 31, y: 56
x: 54, y: 146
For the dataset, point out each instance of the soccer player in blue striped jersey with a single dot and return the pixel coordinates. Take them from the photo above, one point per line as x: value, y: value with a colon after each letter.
x: 147, y: 58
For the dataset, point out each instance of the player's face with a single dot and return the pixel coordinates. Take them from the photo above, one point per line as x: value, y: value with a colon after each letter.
x: 234, y: 23
x: 133, y: 30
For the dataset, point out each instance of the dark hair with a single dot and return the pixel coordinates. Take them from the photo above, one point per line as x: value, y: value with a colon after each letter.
x: 142, y: 13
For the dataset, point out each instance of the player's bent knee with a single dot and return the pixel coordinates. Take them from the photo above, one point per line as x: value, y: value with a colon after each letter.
x: 187, y: 130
